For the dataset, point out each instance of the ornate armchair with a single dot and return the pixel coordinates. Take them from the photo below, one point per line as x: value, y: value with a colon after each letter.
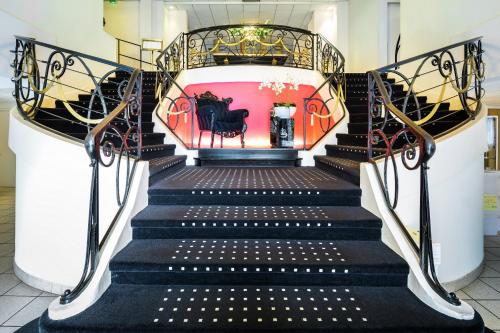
x: 214, y: 115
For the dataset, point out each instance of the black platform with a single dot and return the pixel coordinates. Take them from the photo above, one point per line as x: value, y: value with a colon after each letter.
x: 248, y: 157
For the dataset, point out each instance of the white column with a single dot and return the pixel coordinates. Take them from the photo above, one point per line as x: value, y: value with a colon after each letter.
x: 145, y: 18
x: 175, y: 22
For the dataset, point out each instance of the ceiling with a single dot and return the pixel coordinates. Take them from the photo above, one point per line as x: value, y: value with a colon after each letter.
x: 296, y: 13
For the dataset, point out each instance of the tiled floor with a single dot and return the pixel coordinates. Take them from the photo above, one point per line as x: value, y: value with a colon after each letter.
x: 19, y: 303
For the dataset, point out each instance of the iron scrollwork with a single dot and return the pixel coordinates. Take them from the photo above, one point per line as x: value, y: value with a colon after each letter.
x: 38, y: 81
x: 397, y: 119
x: 262, y: 44
x: 108, y: 145
x: 330, y: 63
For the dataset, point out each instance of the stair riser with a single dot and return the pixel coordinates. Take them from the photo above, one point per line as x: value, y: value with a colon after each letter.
x: 354, y: 155
x: 260, y: 278
x: 153, y: 178
x: 255, y: 200
x: 353, y: 178
x: 150, y: 154
x: 259, y: 233
x: 56, y: 114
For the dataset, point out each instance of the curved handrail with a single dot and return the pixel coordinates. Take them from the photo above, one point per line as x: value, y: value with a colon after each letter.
x: 330, y: 62
x: 418, y: 145
x: 95, y: 142
x: 74, y: 53
x: 229, y: 26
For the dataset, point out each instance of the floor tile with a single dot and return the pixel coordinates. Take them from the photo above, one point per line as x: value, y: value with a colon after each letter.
x: 480, y: 290
x: 6, y: 250
x: 492, y: 282
x: 29, y: 312
x: 7, y: 282
x: 488, y: 255
x: 493, y: 264
x: 7, y: 227
x: 6, y: 264
x: 461, y: 295
x: 494, y: 250
x: 490, y: 320
x: 47, y: 294
x: 489, y: 272
x: 493, y: 306
x: 7, y: 237
x: 10, y: 305
x: 23, y: 290
x: 9, y: 329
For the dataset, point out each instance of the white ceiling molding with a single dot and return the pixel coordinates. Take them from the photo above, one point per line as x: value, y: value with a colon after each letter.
x: 216, y: 12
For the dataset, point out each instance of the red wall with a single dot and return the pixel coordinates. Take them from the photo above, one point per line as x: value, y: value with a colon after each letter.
x: 246, y: 95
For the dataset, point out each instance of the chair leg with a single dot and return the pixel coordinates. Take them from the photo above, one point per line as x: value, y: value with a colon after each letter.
x: 221, y: 137
x: 199, y: 139
x: 242, y: 138
x: 212, y: 140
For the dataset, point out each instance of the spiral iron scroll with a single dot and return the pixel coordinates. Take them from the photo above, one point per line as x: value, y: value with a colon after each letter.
x: 37, y: 79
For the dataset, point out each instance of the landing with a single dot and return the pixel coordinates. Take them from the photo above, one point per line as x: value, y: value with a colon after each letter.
x: 274, y: 179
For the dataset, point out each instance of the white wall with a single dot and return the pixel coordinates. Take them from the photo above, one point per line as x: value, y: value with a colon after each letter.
x: 53, y: 179
x: 72, y: 24
x: 456, y: 179
x: 450, y: 21
x: 332, y: 22
x: 7, y: 158
x: 176, y: 21
x: 122, y: 20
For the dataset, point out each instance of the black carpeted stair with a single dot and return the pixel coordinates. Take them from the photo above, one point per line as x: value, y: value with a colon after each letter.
x: 344, y: 158
x: 162, y: 160
x: 262, y: 249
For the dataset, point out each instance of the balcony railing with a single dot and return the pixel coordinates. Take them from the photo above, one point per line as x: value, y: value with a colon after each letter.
x: 256, y: 45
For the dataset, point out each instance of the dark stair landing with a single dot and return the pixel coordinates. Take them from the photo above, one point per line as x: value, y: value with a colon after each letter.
x: 248, y: 157
x: 261, y: 249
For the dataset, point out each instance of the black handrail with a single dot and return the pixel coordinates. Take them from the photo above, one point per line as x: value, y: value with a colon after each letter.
x: 95, y: 142
x: 105, y: 142
x: 171, y: 62
x: 427, y: 54
x: 330, y: 62
x: 416, y: 145
x: 74, y: 53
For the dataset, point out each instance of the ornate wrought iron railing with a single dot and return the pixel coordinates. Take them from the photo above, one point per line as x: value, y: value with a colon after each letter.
x: 409, y: 102
x: 44, y: 75
x: 263, y: 44
x: 256, y: 44
x: 325, y: 106
x: 175, y: 105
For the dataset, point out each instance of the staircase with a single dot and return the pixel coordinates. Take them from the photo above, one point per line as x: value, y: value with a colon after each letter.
x: 257, y: 249
x: 160, y: 156
x: 344, y: 158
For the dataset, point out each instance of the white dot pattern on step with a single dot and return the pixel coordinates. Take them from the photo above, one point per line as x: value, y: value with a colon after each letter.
x: 253, y: 178
x: 277, y: 307
x: 218, y: 255
x: 239, y: 213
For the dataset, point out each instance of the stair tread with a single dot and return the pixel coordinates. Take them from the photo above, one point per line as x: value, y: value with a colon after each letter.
x: 169, y: 216
x: 161, y: 163
x: 273, y: 179
x: 210, y: 309
x: 286, y: 255
x: 344, y: 162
